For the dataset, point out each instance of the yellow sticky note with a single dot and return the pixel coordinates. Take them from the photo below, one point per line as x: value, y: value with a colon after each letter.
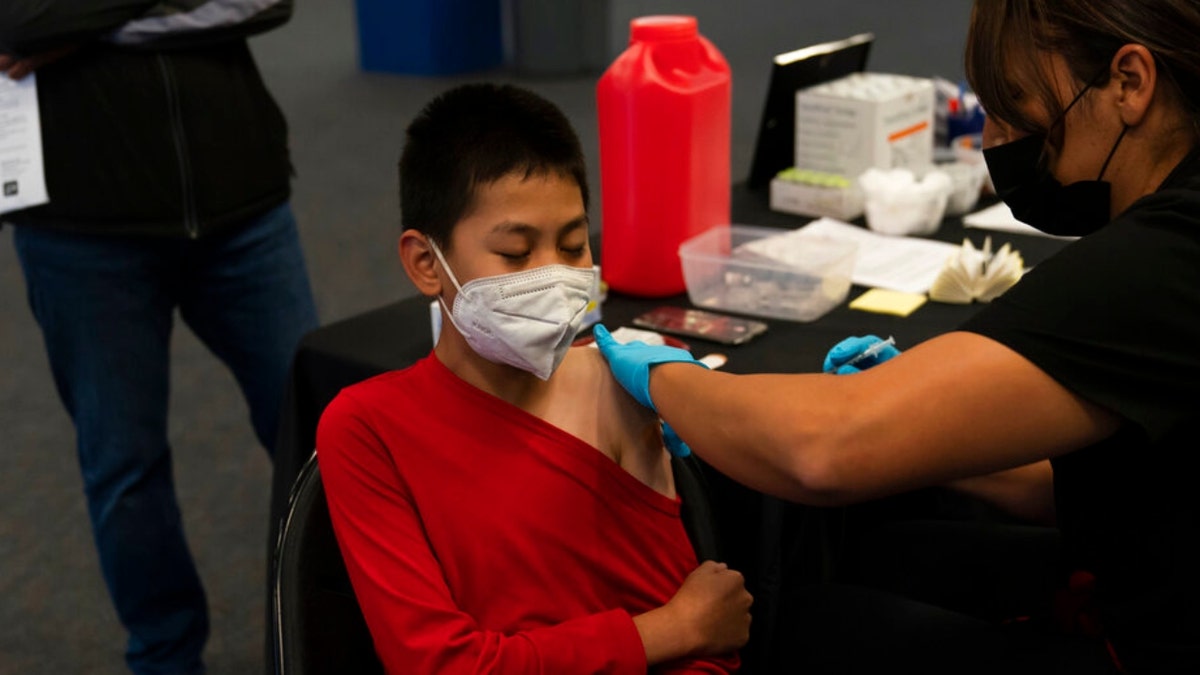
x: 883, y: 301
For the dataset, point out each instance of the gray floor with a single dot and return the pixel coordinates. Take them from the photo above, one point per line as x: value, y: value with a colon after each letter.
x: 347, y: 128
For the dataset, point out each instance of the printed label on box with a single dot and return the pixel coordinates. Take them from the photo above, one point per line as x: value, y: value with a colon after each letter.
x: 865, y: 120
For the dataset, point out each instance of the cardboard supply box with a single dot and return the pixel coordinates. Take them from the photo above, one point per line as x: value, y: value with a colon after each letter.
x: 842, y: 203
x: 865, y: 120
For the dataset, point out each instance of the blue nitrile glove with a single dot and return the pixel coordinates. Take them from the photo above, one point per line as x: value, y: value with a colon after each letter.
x: 674, y: 443
x: 846, y: 350
x: 631, y: 362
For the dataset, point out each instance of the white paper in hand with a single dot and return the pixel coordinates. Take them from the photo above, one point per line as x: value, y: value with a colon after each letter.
x: 22, y: 174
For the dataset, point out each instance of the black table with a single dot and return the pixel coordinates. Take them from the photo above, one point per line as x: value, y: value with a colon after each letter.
x: 762, y: 533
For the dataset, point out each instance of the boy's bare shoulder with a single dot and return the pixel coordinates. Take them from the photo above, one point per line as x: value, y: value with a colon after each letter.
x: 628, y: 432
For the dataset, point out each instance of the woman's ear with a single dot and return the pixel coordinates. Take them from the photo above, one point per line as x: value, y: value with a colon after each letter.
x: 1134, y: 68
x: 419, y: 262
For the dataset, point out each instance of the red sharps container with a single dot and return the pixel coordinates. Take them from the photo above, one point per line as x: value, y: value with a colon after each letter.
x: 664, y: 120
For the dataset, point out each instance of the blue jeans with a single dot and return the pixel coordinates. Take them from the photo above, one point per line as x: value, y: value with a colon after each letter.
x: 106, y: 307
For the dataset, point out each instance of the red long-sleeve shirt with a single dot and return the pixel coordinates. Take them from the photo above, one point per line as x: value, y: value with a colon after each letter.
x: 481, y: 539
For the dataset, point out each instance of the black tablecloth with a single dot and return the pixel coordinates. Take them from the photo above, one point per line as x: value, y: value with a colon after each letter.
x: 396, y: 335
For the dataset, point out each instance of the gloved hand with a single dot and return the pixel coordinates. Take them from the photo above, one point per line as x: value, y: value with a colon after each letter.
x: 631, y: 362
x: 836, y: 361
x: 674, y: 443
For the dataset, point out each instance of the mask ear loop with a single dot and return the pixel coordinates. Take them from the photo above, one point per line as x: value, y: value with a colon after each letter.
x: 442, y: 301
x: 438, y: 253
x: 1092, y: 83
x: 1062, y: 117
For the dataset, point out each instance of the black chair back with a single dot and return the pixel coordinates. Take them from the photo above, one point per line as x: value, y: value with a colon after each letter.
x: 317, y: 626
x: 698, y: 514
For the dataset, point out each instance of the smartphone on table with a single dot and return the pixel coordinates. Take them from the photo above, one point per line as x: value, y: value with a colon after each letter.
x: 702, y: 324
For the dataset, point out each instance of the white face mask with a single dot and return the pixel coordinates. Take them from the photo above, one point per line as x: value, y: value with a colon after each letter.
x: 524, y: 319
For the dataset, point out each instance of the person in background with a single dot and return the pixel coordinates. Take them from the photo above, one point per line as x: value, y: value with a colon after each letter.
x: 167, y: 167
x: 1089, y: 362
x: 503, y: 506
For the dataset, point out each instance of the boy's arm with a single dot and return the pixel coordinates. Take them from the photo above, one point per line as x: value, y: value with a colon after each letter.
x: 416, y: 625
x: 641, y: 446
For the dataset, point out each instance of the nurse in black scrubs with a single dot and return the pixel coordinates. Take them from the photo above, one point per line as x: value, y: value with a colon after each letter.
x: 1078, y: 389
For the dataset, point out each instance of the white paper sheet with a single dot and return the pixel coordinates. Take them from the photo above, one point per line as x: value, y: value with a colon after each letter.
x: 906, y: 264
x: 22, y: 175
x: 998, y: 217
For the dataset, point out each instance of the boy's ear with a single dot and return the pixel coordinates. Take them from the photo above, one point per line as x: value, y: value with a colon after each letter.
x: 419, y: 262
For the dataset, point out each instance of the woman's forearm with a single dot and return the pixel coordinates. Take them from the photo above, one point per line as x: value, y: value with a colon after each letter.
x: 958, y: 405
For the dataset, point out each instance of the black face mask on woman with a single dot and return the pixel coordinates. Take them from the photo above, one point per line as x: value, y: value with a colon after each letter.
x: 1037, y: 198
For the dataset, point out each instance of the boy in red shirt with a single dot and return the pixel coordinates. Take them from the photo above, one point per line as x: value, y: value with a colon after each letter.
x: 502, y: 505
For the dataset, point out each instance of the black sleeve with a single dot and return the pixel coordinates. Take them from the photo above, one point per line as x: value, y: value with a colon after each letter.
x: 31, y: 26
x: 188, y: 23
x: 1115, y: 317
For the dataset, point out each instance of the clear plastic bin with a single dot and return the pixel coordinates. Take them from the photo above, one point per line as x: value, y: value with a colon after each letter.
x: 763, y: 271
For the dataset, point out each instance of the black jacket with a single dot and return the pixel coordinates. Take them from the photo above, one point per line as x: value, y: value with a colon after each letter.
x: 159, y: 124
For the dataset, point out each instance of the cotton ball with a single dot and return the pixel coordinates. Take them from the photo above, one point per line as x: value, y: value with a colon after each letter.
x: 896, y: 203
x: 937, y: 181
x: 886, y: 182
x: 873, y: 180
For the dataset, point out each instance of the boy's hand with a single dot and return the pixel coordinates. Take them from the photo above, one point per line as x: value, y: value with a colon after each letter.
x: 714, y: 606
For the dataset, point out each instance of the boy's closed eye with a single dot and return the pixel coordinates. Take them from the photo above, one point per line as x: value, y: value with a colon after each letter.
x: 574, y: 251
x: 514, y: 256
x: 519, y: 256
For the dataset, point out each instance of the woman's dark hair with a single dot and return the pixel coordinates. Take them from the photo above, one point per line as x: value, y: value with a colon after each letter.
x: 1008, y: 37
x: 473, y: 135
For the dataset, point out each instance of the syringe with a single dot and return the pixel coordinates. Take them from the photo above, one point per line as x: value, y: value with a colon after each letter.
x: 870, y: 351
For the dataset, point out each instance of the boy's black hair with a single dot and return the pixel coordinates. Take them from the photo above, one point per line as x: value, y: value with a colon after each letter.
x: 473, y: 135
